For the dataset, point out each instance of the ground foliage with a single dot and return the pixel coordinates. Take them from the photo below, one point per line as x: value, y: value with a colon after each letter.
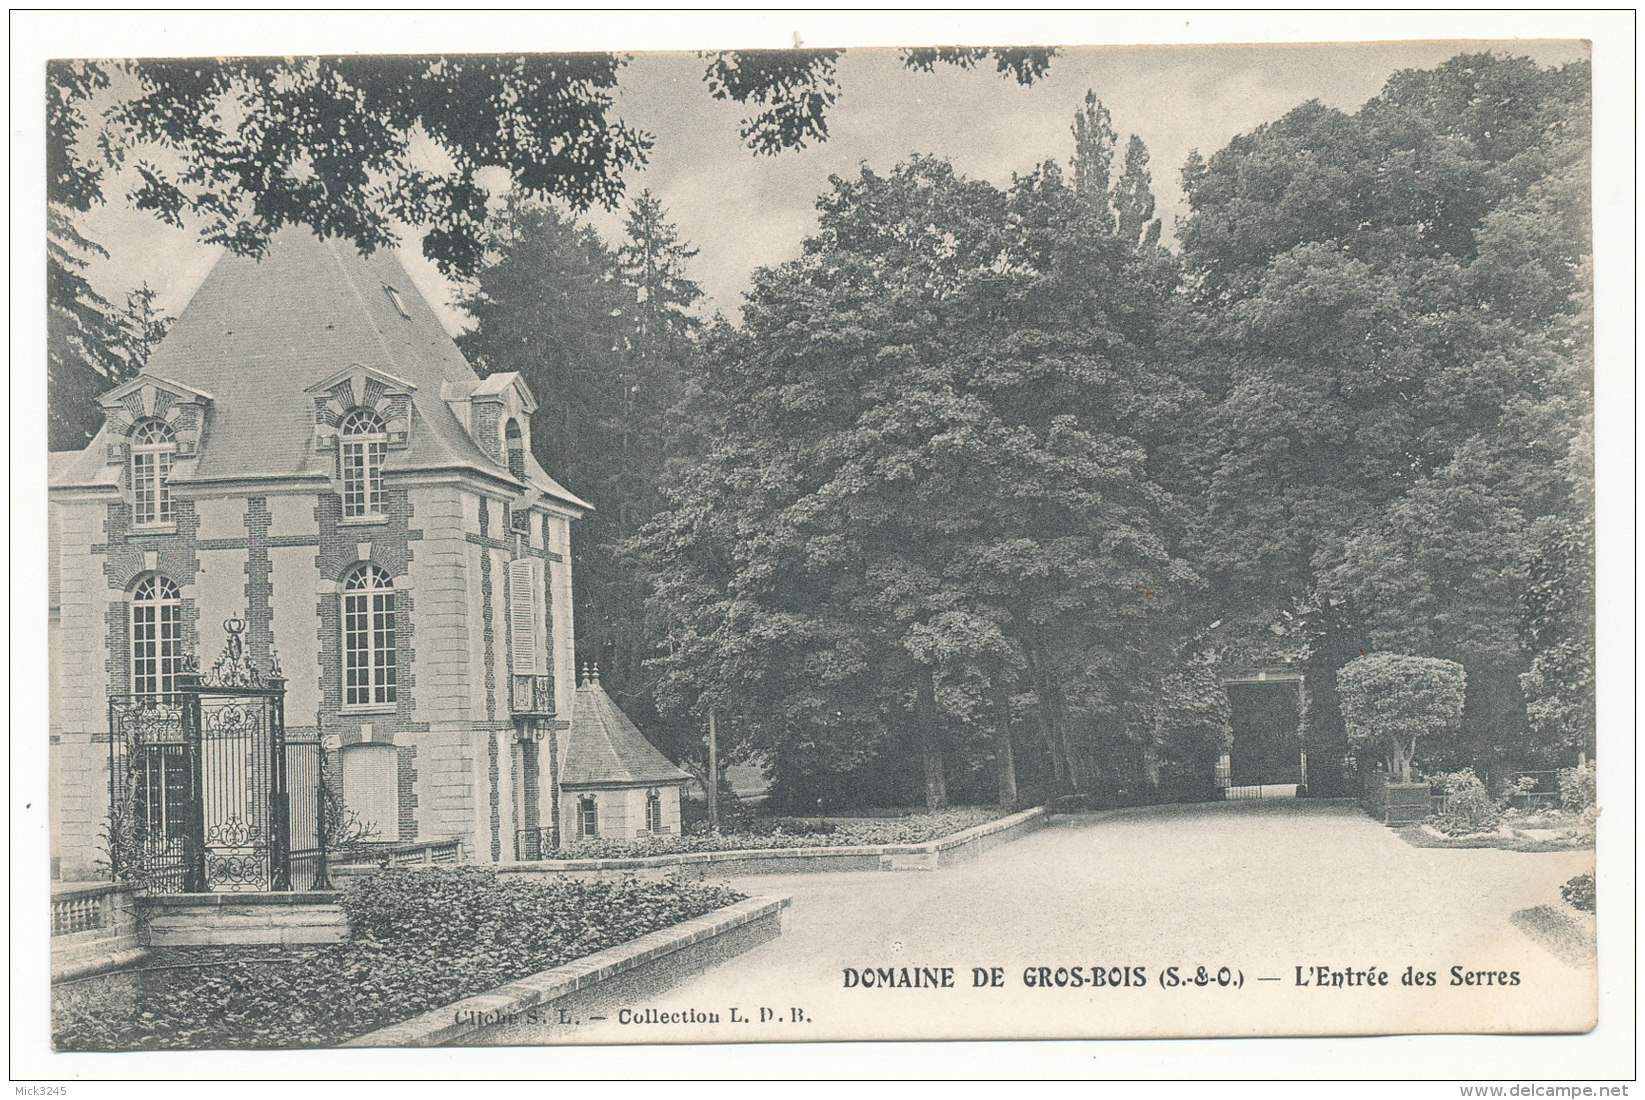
x: 799, y: 833
x: 1579, y: 893
x: 1469, y: 807
x: 421, y: 939
x: 1577, y: 790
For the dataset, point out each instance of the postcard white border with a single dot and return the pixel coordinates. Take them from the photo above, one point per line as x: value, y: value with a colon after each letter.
x: 1607, y: 1053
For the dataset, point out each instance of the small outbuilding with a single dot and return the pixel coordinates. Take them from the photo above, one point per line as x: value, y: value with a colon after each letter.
x: 614, y: 784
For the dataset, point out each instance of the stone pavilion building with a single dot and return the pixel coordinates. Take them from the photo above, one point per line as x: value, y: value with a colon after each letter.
x: 308, y: 453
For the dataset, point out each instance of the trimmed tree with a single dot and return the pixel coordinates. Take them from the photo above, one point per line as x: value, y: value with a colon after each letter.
x: 1391, y: 701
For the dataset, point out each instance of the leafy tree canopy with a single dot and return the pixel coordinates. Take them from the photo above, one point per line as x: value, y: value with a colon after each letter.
x: 1391, y: 701
x: 934, y: 465
x: 351, y: 144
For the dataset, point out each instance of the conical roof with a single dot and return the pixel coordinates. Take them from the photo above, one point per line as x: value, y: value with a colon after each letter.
x: 608, y: 750
x: 259, y: 332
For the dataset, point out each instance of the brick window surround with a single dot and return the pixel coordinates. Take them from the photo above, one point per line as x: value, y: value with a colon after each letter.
x: 369, y: 672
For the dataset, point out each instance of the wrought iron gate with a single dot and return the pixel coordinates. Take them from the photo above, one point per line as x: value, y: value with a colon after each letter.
x: 205, y: 790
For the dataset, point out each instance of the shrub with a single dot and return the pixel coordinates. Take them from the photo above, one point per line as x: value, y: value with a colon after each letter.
x: 1469, y: 807
x: 422, y: 938
x: 1579, y: 893
x: 1576, y: 787
x: 1390, y: 702
x: 800, y: 826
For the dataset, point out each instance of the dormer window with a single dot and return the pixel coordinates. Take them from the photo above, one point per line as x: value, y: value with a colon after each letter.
x: 153, y: 446
x: 399, y: 304
x: 363, y: 445
x: 514, y: 446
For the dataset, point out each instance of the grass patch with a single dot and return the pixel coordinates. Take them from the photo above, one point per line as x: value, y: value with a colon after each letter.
x: 421, y: 939
x: 828, y: 832
x: 1560, y: 933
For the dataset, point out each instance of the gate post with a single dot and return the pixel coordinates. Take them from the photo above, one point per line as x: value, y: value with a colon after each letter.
x: 279, y: 805
x: 322, y: 869
x: 194, y: 855
x: 115, y: 868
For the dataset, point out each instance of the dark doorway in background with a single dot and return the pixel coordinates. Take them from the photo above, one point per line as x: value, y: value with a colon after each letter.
x: 1266, y: 718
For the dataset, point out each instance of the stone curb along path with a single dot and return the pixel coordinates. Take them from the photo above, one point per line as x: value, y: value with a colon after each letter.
x: 664, y: 956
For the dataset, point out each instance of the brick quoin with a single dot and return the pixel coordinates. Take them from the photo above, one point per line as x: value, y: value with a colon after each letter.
x: 496, y: 809
x: 407, y: 756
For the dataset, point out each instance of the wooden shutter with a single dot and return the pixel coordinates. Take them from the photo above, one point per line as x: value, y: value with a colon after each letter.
x: 523, y: 616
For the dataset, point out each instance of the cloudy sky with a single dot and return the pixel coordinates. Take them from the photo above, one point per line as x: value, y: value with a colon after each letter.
x: 744, y: 211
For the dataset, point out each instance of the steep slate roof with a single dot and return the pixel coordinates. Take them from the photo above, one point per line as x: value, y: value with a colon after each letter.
x: 607, y: 750
x: 259, y: 332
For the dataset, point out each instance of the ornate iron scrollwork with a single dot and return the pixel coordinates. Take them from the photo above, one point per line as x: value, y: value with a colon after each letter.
x: 231, y: 719
x: 230, y: 833
x: 233, y: 869
x: 147, y: 721
x: 198, y: 779
x: 532, y: 694
x: 232, y: 668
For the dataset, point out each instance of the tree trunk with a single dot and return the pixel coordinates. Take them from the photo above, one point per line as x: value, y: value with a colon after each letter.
x: 1004, y: 758
x: 1042, y: 719
x: 925, y: 720
x: 1045, y: 716
x: 1399, y: 761
x: 713, y: 784
x: 1059, y: 727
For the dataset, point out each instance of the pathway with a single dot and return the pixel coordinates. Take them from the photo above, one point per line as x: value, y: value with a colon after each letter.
x: 1262, y: 888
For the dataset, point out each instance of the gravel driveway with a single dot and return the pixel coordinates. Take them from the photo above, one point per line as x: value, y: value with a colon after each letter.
x: 1261, y: 888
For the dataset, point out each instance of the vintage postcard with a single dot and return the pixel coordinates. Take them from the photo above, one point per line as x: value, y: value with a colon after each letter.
x: 552, y: 546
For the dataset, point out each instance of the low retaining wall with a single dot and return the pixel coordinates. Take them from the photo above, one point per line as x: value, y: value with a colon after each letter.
x: 187, y: 920
x: 929, y: 856
x: 547, y: 1006
x: 94, y: 927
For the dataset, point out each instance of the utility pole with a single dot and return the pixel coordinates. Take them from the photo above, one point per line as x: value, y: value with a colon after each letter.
x: 713, y: 771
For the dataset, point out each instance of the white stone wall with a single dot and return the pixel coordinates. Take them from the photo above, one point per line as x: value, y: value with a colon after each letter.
x: 78, y: 791
x: 446, y: 637
x: 293, y: 600
x: 557, y: 530
x: 442, y: 608
x: 621, y: 812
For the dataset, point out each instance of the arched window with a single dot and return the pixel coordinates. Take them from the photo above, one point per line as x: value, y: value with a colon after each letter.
x: 156, y: 637
x: 360, y: 461
x: 653, y: 811
x: 514, y: 443
x: 152, y: 448
x: 368, y: 637
x: 588, y: 820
